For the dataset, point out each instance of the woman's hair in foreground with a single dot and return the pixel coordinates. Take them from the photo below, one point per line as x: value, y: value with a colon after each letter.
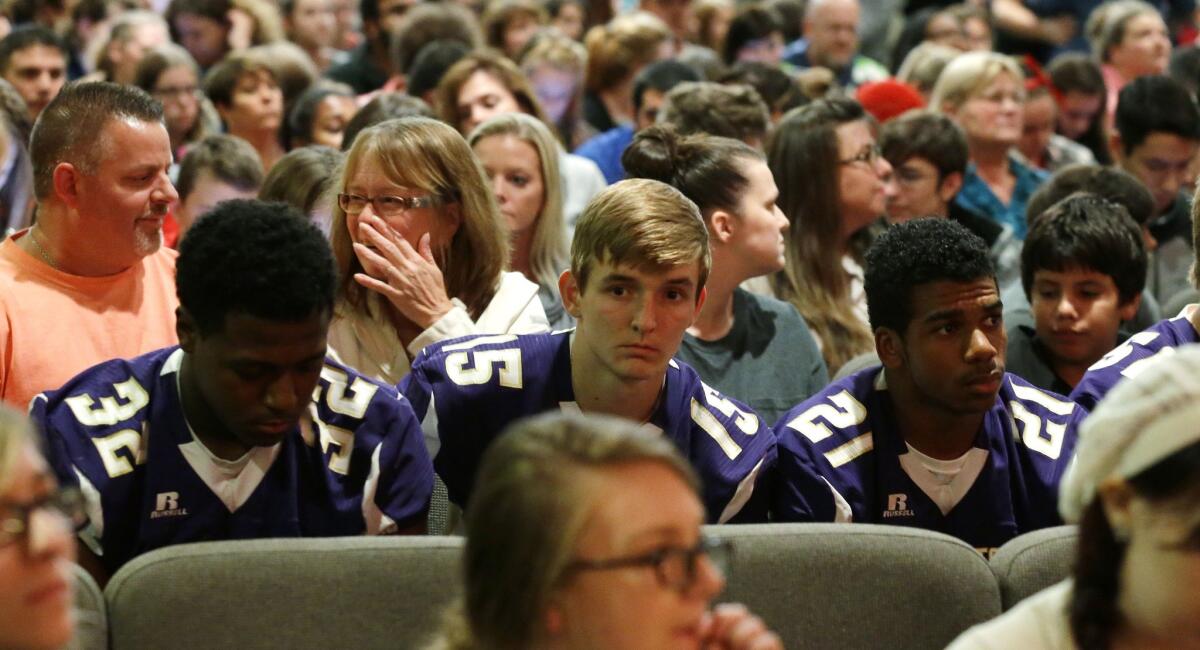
x: 534, y: 494
x: 14, y: 435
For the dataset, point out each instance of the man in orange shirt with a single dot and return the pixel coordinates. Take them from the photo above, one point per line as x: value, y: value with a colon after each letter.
x: 90, y: 281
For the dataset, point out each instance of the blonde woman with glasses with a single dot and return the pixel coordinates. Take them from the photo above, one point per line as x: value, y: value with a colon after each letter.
x: 36, y: 546
x: 564, y: 550
x: 421, y: 250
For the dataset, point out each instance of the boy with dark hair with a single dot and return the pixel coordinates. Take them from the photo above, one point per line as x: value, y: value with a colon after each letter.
x: 1156, y: 138
x: 650, y: 90
x: 1131, y: 356
x: 244, y: 430
x: 940, y: 437
x: 1109, y: 183
x: 218, y: 168
x: 1083, y: 268
x: 639, y: 262
x: 928, y: 153
x: 34, y: 60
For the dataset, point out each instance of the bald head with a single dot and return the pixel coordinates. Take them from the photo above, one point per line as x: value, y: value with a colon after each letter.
x: 831, y: 28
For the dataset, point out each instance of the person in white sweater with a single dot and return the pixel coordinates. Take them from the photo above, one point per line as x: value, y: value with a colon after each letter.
x: 1132, y: 488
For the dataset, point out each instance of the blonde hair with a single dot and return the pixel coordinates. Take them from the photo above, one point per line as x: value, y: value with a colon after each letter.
x: 14, y: 435
x: 548, y: 257
x: 536, y: 490
x: 429, y: 155
x: 499, y: 68
x: 549, y: 48
x: 969, y: 74
x: 1105, y: 27
x: 617, y: 49
x: 924, y: 65
x: 641, y: 222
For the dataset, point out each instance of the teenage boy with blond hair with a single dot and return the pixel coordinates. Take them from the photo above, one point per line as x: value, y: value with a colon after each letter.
x: 639, y: 261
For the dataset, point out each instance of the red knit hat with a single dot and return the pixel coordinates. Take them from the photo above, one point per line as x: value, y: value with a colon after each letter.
x: 888, y: 98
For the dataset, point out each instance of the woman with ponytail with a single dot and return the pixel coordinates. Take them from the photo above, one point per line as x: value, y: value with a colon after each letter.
x: 753, y: 347
x: 1133, y: 488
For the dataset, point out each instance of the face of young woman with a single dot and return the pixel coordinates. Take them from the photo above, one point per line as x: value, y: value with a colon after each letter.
x: 481, y: 97
x: 631, y: 607
x: 515, y: 171
x: 35, y: 567
x: 1145, y: 48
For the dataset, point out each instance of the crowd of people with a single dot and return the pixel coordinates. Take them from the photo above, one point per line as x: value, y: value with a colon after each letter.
x: 574, y: 278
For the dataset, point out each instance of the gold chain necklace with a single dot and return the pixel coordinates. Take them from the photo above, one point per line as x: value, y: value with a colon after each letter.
x: 41, y: 251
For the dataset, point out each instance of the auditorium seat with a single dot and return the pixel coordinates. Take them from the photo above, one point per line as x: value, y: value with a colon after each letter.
x: 859, y: 586
x: 1034, y: 561
x: 91, y: 617
x: 360, y: 592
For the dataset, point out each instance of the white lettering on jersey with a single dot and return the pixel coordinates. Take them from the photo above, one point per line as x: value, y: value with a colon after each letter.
x: 110, y: 446
x: 471, y: 368
x: 361, y: 390
x: 845, y: 412
x: 747, y: 422
x: 109, y: 411
x: 845, y: 453
x: 715, y: 430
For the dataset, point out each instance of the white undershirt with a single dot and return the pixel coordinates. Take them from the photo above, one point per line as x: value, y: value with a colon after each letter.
x: 945, y: 482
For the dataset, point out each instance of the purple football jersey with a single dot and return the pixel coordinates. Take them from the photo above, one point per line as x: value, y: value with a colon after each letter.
x: 356, y: 463
x: 466, y: 391
x: 1129, y: 358
x: 841, y: 458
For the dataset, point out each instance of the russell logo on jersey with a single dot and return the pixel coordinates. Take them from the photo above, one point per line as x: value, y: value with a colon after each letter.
x: 166, y: 504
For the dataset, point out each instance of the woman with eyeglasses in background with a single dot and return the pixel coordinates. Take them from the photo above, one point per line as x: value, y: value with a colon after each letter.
x: 172, y: 77
x: 36, y: 544
x: 564, y: 550
x: 422, y: 250
x: 833, y: 184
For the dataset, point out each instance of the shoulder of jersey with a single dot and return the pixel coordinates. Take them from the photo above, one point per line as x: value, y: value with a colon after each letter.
x: 109, y: 395
x: 833, y: 418
x: 1016, y: 389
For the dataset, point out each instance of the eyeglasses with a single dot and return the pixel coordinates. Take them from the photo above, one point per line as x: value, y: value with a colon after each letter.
x: 868, y: 155
x: 676, y: 568
x: 14, y: 517
x: 387, y: 206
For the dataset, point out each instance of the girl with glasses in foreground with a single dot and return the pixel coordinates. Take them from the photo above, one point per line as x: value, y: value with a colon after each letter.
x: 36, y: 546
x: 564, y: 550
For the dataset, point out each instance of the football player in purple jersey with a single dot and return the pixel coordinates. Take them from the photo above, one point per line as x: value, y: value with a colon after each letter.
x: 639, y: 261
x: 245, y: 430
x: 940, y: 437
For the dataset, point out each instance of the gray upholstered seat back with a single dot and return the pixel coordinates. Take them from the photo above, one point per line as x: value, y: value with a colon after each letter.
x: 362, y: 592
x: 91, y: 616
x: 859, y: 586
x: 1034, y: 561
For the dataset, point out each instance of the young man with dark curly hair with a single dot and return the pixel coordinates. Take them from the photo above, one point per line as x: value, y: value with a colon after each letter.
x: 245, y: 430
x: 940, y: 437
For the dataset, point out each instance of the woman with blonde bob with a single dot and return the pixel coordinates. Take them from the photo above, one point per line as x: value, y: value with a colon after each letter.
x: 36, y: 544
x: 520, y: 157
x: 421, y: 250
x: 984, y: 92
x: 483, y: 85
x: 564, y: 550
x: 1132, y: 487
